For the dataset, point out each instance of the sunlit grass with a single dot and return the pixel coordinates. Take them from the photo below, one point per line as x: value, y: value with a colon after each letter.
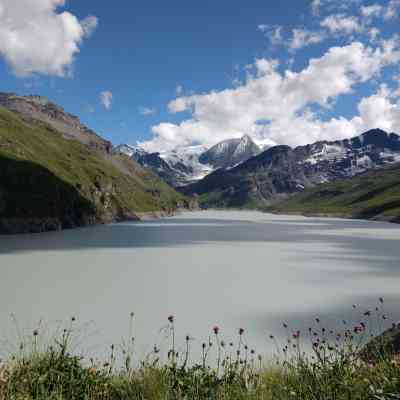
x: 352, y: 361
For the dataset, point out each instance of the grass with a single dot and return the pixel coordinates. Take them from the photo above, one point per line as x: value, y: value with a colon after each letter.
x: 373, y: 195
x: 35, y: 158
x: 338, y: 366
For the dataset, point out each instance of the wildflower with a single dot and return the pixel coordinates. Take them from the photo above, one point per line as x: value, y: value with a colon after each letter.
x: 73, y: 319
x: 216, y: 329
x: 358, y: 329
x: 252, y: 351
x: 317, y: 320
x: 171, y: 319
x: 222, y: 343
x: 381, y: 300
x: 241, y: 331
x: 187, y: 338
x: 285, y: 325
x: 35, y: 332
x: 259, y: 357
x: 296, y: 335
x: 271, y: 336
x: 132, y: 314
x: 203, y: 345
x: 367, y: 313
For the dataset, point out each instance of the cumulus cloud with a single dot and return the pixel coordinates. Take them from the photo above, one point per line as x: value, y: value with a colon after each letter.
x: 106, y: 98
x: 147, y: 111
x: 277, y: 106
x: 36, y: 37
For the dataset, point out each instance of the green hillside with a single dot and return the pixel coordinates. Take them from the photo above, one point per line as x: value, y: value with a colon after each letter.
x: 49, y: 182
x: 373, y: 195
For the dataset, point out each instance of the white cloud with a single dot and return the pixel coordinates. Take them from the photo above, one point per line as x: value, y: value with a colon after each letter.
x: 373, y: 33
x: 380, y: 11
x: 276, y: 106
x: 146, y: 111
x: 373, y: 10
x: 274, y: 33
x: 89, y: 24
x: 315, y: 7
x: 303, y: 37
x: 36, y: 37
x: 392, y: 9
x: 342, y: 24
x: 106, y: 98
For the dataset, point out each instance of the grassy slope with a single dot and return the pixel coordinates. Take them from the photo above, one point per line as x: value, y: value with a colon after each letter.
x: 114, y: 185
x: 373, y: 195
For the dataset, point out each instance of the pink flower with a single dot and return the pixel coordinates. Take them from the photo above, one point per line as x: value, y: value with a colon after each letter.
x: 359, y: 329
x: 241, y: 331
x: 216, y: 329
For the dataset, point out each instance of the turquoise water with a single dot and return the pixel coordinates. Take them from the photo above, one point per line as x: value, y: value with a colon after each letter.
x: 231, y: 268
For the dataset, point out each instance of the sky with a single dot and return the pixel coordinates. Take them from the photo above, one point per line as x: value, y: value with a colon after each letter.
x: 170, y: 74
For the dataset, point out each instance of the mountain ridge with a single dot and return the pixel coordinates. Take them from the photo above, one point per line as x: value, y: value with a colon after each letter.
x: 281, y: 170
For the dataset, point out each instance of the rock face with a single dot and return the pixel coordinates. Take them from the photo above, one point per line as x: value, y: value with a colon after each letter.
x: 281, y: 170
x: 229, y: 153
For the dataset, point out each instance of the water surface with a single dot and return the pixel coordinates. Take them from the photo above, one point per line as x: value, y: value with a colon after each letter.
x: 231, y: 268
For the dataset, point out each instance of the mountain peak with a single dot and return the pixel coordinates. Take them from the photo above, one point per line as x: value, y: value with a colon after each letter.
x: 228, y: 153
x: 42, y: 109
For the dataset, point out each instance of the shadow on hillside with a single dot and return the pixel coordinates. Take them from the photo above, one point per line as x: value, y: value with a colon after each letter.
x: 31, y: 194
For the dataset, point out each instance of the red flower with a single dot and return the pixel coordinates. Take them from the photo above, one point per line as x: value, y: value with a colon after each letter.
x: 171, y: 319
x: 216, y: 329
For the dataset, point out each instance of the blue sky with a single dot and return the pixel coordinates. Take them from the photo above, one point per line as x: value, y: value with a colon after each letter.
x: 141, y: 52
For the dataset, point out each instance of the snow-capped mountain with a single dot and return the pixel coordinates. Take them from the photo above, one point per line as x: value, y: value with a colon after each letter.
x: 178, y: 167
x: 188, y: 164
x: 231, y: 152
x: 281, y: 170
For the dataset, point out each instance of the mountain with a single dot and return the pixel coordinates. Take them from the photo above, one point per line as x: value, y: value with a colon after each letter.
x: 229, y: 153
x: 188, y: 164
x: 281, y: 170
x: 372, y: 195
x: 55, y: 173
x: 177, y: 168
x: 39, y: 108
